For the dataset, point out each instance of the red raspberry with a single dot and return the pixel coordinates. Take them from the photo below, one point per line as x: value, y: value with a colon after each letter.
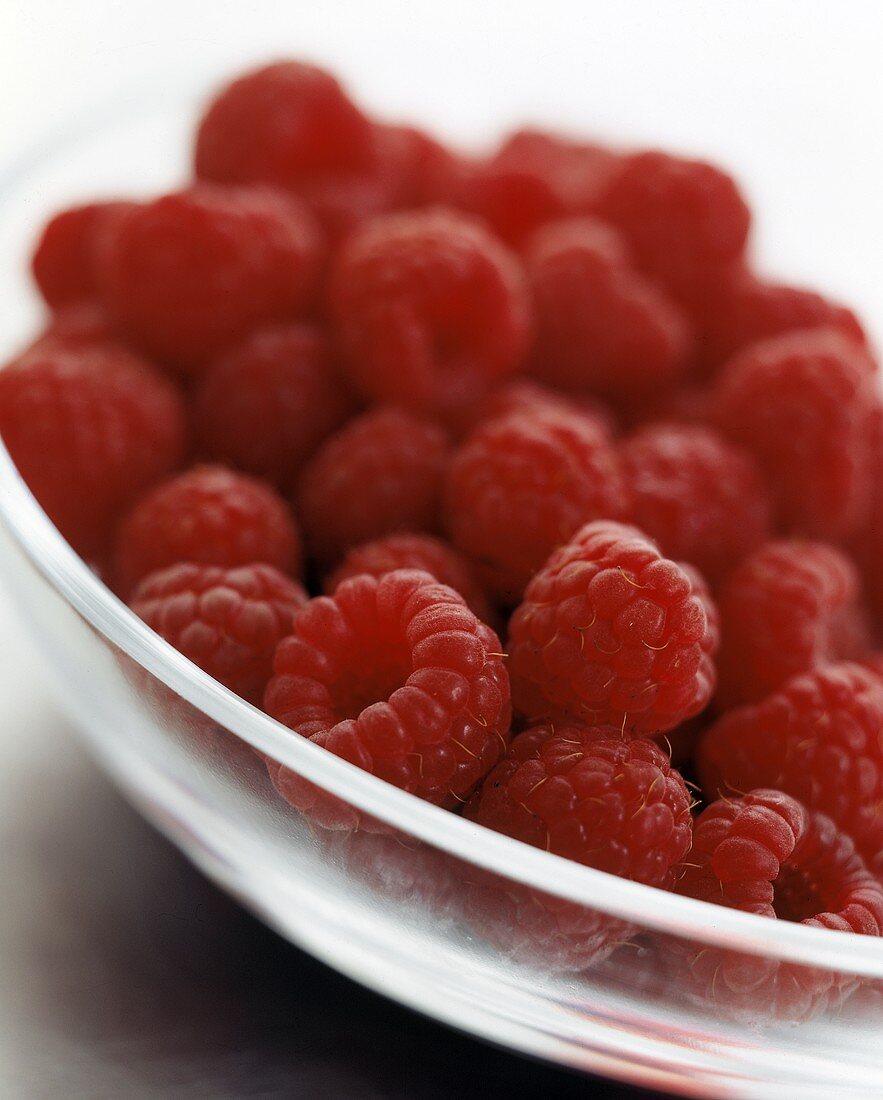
x: 80, y: 325
x: 818, y: 739
x: 872, y: 661
x: 521, y: 485
x: 283, y: 124
x: 765, y: 853
x: 573, y: 175
x: 786, y: 609
x: 209, y: 515
x: 748, y: 309
x: 688, y: 404
x: 513, y: 202
x: 397, y: 676
x: 685, y: 220
x: 89, y: 429
x: 227, y: 621
x: 395, y: 866
x: 594, y: 797
x: 268, y: 403
x: 612, y: 632
x: 65, y: 261
x: 423, y: 552
x: 430, y: 309
x: 601, y: 326
x: 867, y: 546
x: 191, y: 273
x: 802, y: 404
x: 698, y: 496
x: 379, y: 474
x: 591, y: 796
x: 420, y: 169
x: 408, y: 169
x: 522, y: 395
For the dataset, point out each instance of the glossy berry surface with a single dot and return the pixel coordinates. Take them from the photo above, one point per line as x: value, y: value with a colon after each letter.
x: 282, y: 124
x: 519, y: 487
x: 379, y: 474
x: 593, y: 796
x: 701, y: 498
x: 430, y: 309
x: 209, y: 515
x: 611, y: 632
x: 89, y: 428
x: 66, y: 261
x: 424, y: 552
x: 601, y: 326
x: 396, y: 675
x: 268, y: 403
x: 789, y: 607
x: 227, y: 621
x: 802, y: 404
x: 818, y: 739
x: 191, y: 273
x: 766, y: 853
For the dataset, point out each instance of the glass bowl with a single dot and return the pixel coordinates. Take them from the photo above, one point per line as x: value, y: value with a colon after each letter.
x: 468, y: 926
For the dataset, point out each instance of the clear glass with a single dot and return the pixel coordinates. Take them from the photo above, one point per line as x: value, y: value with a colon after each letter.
x: 505, y: 941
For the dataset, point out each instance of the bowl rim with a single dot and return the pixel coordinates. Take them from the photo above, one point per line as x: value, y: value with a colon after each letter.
x: 42, y: 545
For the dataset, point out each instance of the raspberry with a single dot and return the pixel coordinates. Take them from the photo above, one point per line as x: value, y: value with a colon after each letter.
x: 397, y: 676
x: 89, y: 429
x: 79, y: 325
x: 394, y: 866
x: 765, y: 853
x: 872, y: 661
x: 567, y: 176
x: 513, y: 202
x: 749, y: 309
x: 408, y: 169
x: 698, y: 496
x: 423, y: 552
x: 788, y: 608
x: 688, y: 404
x: 420, y: 169
x: 802, y: 404
x: 867, y: 546
x: 600, y: 325
x: 227, y: 621
x: 522, y: 395
x: 594, y: 797
x: 269, y: 402
x: 818, y: 739
x: 282, y: 124
x: 591, y: 796
x: 190, y: 273
x: 430, y: 309
x: 208, y: 515
x: 521, y: 485
x: 613, y: 633
x: 379, y: 474
x: 65, y: 261
x: 685, y: 220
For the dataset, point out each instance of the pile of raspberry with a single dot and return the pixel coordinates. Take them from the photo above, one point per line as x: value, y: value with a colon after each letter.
x: 503, y: 476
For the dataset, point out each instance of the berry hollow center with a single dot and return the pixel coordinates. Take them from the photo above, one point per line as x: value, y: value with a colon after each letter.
x: 380, y: 670
x: 796, y: 896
